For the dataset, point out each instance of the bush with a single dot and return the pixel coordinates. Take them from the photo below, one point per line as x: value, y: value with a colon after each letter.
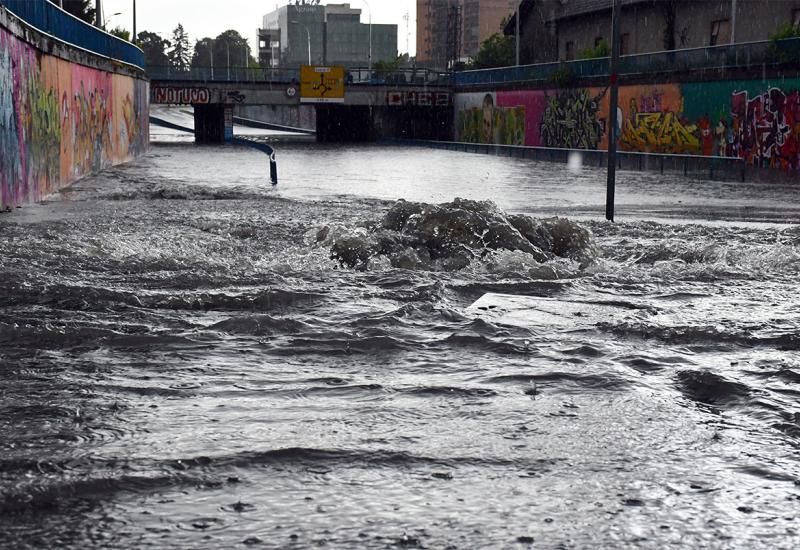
x: 777, y: 51
x: 601, y: 50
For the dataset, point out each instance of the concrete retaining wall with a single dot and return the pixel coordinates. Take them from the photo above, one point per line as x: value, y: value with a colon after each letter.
x: 64, y: 113
x: 754, y: 120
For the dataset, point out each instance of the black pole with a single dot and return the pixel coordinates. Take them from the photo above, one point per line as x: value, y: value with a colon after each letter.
x: 612, y: 115
x: 273, y: 169
x: 134, y: 22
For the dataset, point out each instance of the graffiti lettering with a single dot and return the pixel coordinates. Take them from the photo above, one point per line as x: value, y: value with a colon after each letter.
x: 570, y: 120
x: 181, y: 96
x: 421, y: 99
x: 661, y: 132
x: 766, y: 128
x: 236, y: 96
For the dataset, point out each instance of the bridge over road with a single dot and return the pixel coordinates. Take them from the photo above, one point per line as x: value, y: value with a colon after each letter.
x: 413, y: 103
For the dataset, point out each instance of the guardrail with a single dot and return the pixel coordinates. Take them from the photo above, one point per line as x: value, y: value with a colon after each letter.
x: 263, y: 147
x: 715, y: 168
x: 355, y: 76
x: 52, y: 20
x: 746, y: 55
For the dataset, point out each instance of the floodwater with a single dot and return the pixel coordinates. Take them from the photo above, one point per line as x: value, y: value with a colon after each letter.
x: 183, y: 365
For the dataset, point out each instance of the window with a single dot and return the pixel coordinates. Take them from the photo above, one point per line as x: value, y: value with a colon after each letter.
x: 796, y: 19
x: 720, y: 32
x: 262, y: 44
x: 625, y: 44
x: 569, y: 50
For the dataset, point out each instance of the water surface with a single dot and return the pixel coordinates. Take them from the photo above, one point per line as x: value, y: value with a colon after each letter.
x: 183, y: 366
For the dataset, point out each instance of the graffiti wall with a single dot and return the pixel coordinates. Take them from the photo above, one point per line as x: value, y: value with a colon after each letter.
x: 60, y: 121
x: 757, y: 120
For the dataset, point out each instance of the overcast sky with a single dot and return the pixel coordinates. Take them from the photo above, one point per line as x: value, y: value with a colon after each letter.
x: 203, y: 18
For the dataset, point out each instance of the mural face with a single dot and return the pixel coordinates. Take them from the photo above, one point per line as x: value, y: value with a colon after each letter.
x: 758, y: 121
x: 481, y: 119
x: 60, y: 121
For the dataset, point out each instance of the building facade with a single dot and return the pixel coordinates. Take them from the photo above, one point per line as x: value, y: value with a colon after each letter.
x: 453, y: 30
x: 569, y: 29
x: 323, y: 35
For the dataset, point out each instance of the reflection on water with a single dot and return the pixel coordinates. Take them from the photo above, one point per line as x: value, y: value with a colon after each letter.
x: 183, y: 365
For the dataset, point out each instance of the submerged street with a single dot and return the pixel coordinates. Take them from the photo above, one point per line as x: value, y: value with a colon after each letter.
x: 183, y: 365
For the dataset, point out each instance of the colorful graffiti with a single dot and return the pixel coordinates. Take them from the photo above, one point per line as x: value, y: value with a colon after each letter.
x: 766, y: 128
x: 60, y: 121
x: 758, y: 120
x: 482, y: 120
x: 570, y: 120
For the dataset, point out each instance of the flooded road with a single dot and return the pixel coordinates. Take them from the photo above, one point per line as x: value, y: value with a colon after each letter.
x: 183, y: 365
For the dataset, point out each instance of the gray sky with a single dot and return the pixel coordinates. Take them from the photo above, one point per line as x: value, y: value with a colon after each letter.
x: 203, y: 18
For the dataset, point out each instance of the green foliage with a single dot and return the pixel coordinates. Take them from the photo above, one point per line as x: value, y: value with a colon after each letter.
x: 496, y: 51
x: 778, y: 52
x: 787, y: 30
x: 154, y: 48
x: 180, y: 55
x: 562, y: 77
x: 228, y: 49
x: 119, y: 32
x: 82, y: 9
x: 601, y: 50
x: 382, y: 66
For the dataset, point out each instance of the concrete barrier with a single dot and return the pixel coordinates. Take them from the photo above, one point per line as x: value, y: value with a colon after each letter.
x: 64, y: 112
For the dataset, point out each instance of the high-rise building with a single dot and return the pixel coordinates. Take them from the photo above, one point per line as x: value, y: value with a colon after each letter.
x: 323, y: 35
x: 453, y: 30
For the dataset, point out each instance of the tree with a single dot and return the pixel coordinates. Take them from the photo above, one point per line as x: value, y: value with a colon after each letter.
x: 496, y: 51
x: 229, y: 49
x: 82, y: 9
x: 154, y: 48
x: 119, y: 32
x: 201, y: 58
x: 180, y: 55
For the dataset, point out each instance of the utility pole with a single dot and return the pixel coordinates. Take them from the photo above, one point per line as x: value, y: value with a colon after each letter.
x: 98, y: 14
x: 612, y: 115
x: 516, y: 33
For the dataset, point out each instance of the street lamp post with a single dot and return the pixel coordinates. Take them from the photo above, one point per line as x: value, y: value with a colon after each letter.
x: 107, y: 19
x: 309, y: 38
x: 211, y: 56
x: 134, y: 22
x: 369, y: 59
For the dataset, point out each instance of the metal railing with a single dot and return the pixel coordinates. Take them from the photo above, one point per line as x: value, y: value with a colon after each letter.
x: 52, y: 20
x: 223, y: 74
x: 746, y: 55
x: 355, y: 76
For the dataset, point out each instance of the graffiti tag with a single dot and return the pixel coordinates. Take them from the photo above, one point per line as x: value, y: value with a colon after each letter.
x: 181, y: 96
x: 570, y: 120
x: 662, y: 132
x: 766, y: 128
x: 418, y: 99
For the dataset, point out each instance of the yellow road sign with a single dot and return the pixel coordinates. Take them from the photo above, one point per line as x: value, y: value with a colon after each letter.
x: 321, y: 84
